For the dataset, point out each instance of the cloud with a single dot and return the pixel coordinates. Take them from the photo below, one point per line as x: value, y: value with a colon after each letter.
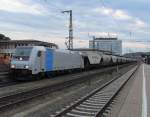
x: 103, y: 10
x: 135, y: 47
x: 20, y: 6
x: 79, y: 24
x: 140, y: 23
x: 119, y: 14
x: 27, y: 17
x: 52, y: 38
x: 122, y: 15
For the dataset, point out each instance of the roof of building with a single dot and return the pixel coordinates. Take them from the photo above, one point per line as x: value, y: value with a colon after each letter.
x: 106, y: 38
x: 40, y: 43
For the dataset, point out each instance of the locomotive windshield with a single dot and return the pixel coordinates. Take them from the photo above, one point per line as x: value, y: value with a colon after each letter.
x: 22, y: 53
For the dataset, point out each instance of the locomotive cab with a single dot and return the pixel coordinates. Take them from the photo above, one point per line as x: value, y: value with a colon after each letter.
x: 27, y: 61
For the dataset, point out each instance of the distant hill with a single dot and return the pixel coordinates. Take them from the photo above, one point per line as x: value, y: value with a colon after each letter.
x: 137, y: 54
x: 4, y: 38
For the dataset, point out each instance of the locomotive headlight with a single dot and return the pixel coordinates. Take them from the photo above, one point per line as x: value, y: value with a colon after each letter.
x: 26, y: 66
x: 12, y: 66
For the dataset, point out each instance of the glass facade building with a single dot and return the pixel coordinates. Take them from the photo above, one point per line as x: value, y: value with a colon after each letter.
x: 107, y: 44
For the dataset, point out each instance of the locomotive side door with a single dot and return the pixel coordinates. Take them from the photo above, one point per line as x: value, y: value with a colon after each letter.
x: 40, y: 63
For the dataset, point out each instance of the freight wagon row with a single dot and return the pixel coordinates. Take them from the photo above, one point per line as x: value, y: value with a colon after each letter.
x: 38, y: 60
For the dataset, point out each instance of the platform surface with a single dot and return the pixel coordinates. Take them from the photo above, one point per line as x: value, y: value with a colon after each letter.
x: 137, y: 103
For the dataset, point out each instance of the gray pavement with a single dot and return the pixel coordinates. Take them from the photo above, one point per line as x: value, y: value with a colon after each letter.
x: 137, y: 103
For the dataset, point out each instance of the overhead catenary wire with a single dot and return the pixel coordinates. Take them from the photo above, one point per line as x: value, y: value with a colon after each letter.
x: 57, y: 9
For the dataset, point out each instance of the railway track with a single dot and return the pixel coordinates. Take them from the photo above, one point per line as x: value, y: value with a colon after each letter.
x: 8, y: 83
x: 4, y: 72
x: 3, y: 76
x: 4, y: 67
x: 8, y: 101
x: 95, y: 103
x: 5, y: 81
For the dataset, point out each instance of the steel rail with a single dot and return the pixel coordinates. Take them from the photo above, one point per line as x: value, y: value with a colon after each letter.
x: 95, y: 103
x: 8, y: 101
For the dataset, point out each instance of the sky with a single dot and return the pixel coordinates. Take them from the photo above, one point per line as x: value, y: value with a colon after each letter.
x: 129, y: 20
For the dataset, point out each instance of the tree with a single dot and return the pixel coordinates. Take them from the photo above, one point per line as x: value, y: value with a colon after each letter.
x: 4, y: 38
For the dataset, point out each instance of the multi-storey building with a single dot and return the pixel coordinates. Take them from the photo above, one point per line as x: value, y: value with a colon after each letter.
x: 107, y: 44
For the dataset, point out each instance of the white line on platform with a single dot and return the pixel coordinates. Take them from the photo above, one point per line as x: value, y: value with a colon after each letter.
x: 144, y: 97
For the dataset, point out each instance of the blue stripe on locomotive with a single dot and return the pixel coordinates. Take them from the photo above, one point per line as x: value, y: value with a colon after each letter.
x: 49, y: 59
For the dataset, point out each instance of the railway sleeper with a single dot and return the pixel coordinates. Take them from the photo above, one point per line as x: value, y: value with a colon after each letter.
x: 87, y: 109
x: 97, y: 102
x: 76, y: 115
x: 75, y: 111
x: 88, y: 103
x: 98, y: 99
x: 89, y: 106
